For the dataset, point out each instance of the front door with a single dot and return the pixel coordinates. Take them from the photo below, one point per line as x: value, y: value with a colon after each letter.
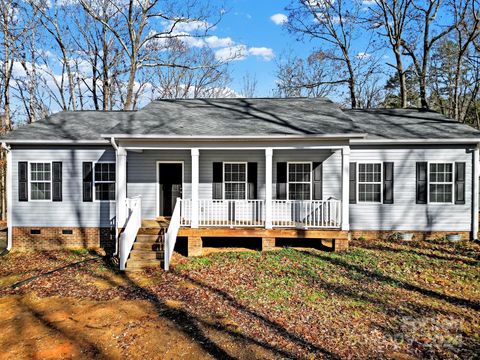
x: 170, y: 185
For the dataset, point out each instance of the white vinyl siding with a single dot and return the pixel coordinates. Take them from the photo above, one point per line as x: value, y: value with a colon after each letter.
x: 405, y: 213
x: 72, y: 211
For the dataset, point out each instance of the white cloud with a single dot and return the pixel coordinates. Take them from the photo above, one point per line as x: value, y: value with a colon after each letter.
x: 265, y: 53
x: 216, y: 42
x: 191, y: 26
x: 363, y: 55
x: 279, y: 19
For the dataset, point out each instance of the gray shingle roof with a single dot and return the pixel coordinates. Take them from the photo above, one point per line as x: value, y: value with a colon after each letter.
x: 409, y: 124
x: 245, y: 117
x: 238, y: 117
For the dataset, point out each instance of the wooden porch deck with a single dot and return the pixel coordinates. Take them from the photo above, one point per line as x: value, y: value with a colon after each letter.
x: 333, y: 238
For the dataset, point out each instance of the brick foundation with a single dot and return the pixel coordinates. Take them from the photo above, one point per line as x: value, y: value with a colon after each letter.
x: 417, y: 235
x: 195, y: 246
x: 52, y: 238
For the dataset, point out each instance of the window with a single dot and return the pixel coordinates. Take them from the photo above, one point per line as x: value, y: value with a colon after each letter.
x: 370, y: 183
x: 440, y: 182
x: 41, y: 181
x: 235, y: 181
x: 299, y: 181
x: 104, y: 178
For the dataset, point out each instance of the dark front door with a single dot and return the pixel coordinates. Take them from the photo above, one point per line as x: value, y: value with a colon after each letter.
x: 170, y: 185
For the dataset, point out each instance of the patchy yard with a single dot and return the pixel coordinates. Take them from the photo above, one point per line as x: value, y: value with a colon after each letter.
x: 380, y: 299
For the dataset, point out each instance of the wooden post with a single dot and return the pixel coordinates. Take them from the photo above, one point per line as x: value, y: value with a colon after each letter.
x: 195, y: 180
x: 268, y: 187
x: 346, y: 188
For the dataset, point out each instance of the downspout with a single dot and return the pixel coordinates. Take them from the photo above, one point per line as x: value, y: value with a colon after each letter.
x: 115, y: 146
x: 475, y: 191
x: 8, y: 193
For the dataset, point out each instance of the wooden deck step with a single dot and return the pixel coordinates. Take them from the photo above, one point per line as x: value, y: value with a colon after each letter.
x: 149, y: 245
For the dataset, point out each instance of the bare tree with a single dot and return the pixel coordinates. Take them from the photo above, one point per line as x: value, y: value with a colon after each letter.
x: 336, y: 24
x: 249, y: 85
x: 422, y: 37
x: 392, y: 17
x: 141, y: 23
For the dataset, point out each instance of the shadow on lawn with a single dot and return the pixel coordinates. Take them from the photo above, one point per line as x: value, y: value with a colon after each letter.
x: 433, y: 253
x: 399, y: 283
x: 188, y: 323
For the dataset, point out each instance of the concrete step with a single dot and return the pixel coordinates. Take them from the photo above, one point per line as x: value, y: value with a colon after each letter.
x: 148, y: 246
x: 142, y: 238
x: 145, y: 255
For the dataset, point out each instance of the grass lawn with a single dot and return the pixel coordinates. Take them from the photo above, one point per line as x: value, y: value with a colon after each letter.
x: 378, y: 300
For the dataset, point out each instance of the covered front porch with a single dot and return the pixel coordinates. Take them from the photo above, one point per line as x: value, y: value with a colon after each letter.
x: 297, y: 191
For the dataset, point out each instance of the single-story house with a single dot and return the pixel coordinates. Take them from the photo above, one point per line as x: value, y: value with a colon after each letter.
x: 265, y: 168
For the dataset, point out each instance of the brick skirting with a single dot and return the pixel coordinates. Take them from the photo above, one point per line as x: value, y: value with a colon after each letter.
x: 417, y: 235
x: 54, y: 238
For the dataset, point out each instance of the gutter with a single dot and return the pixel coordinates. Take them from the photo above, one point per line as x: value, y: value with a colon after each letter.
x: 413, y: 141
x: 211, y: 138
x: 58, y: 142
x: 8, y: 181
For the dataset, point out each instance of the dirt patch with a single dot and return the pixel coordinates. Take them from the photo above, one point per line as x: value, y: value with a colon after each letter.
x: 59, y: 328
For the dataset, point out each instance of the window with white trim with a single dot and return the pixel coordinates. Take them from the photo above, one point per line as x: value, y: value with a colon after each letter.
x: 299, y: 181
x: 235, y: 181
x: 370, y: 182
x: 104, y: 181
x: 440, y: 184
x: 40, y: 181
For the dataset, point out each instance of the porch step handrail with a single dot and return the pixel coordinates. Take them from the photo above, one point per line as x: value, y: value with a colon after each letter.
x: 133, y: 224
x: 171, y: 234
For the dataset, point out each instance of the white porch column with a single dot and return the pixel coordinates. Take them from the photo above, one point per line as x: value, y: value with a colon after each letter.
x: 475, y: 192
x: 268, y: 187
x: 195, y: 180
x: 121, y: 190
x: 345, y: 188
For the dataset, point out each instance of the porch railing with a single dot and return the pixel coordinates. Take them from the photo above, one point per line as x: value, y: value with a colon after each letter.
x: 307, y: 214
x: 251, y: 213
x: 133, y: 223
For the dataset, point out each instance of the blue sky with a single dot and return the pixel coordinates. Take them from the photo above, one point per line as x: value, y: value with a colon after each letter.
x: 248, y: 22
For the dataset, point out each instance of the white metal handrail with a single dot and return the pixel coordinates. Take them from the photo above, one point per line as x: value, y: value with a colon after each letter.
x: 133, y: 224
x: 171, y: 235
x: 307, y: 213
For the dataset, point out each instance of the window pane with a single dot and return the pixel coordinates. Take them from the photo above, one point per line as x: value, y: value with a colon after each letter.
x: 104, y: 172
x: 40, y: 191
x: 235, y: 191
x: 298, y: 191
x: 105, y: 191
x: 441, y: 193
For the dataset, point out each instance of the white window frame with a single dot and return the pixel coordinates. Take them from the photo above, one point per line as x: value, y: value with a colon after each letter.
x: 104, y: 182
x: 300, y: 182
x: 375, y: 182
x: 444, y: 182
x: 29, y: 170
x: 230, y: 182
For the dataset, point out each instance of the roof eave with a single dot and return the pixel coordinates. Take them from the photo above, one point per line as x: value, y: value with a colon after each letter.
x: 416, y: 141
x: 55, y: 142
x: 346, y: 136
